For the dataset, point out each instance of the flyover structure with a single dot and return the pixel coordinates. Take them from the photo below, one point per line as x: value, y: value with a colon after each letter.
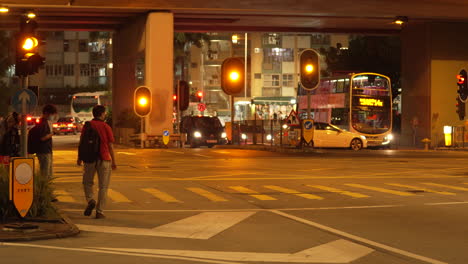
x: 433, y: 42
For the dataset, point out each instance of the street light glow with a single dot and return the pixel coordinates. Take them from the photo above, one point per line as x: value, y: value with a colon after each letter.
x: 31, y: 15
x: 143, y: 101
x: 4, y: 9
x: 234, y: 76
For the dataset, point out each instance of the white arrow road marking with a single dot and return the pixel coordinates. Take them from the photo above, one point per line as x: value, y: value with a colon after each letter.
x: 200, y: 226
x: 339, y: 251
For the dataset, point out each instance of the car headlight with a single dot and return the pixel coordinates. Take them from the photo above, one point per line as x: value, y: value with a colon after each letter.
x: 244, y: 136
x: 363, y: 138
x: 197, y: 134
x: 389, y: 137
x: 269, y: 137
x: 224, y: 135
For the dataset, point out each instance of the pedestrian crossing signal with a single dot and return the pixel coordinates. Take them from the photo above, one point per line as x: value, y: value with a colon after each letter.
x: 310, y: 69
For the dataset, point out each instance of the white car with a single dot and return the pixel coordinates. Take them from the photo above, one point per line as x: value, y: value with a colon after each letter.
x: 330, y: 136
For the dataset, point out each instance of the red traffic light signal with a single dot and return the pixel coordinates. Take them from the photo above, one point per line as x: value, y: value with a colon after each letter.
x: 461, y: 79
x: 462, y: 85
x: 142, y: 101
x: 174, y: 97
x: 309, y: 69
x: 200, y: 94
x: 232, y: 75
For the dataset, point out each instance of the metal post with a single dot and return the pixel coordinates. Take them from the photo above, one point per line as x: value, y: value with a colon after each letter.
x: 309, y: 114
x: 232, y: 118
x: 263, y: 132
x: 255, y: 129
x: 142, y: 143
x: 178, y: 113
x: 281, y: 134
x: 24, y: 125
x: 245, y: 69
x: 271, y: 132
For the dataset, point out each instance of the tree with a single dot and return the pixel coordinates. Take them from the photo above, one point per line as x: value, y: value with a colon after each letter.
x: 182, y: 44
x: 379, y: 54
x: 5, y: 63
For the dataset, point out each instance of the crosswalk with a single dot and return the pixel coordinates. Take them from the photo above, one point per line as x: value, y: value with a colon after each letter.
x: 271, y: 193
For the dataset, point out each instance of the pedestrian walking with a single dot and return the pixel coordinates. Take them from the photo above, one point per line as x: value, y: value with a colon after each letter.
x: 40, y: 140
x: 97, y: 153
x: 10, y: 139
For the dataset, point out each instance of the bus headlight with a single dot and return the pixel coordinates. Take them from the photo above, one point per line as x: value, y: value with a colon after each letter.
x: 244, y: 136
x: 389, y: 137
x: 223, y: 135
x: 197, y: 134
x: 269, y: 137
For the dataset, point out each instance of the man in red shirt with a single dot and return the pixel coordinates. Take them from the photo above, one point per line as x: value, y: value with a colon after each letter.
x: 103, y: 166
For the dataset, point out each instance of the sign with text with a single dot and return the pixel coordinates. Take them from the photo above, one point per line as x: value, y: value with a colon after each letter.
x: 22, y: 184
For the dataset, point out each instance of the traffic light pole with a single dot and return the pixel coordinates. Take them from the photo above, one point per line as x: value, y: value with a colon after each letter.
x: 24, y: 125
x: 309, y: 114
x: 178, y: 108
x: 142, y: 136
x: 233, y: 110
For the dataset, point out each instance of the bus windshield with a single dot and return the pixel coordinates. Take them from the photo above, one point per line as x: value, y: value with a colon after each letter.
x: 371, y: 104
x: 84, y: 103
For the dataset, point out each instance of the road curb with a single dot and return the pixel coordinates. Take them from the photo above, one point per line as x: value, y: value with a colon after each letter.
x: 71, y: 231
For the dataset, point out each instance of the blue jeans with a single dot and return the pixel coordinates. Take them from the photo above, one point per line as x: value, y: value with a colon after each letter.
x: 45, y: 164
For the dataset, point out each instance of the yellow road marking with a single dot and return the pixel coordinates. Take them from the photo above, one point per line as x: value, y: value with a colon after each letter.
x: 161, y: 195
x: 64, y: 196
x: 117, y: 197
x: 446, y: 186
x: 290, y: 191
x: 209, y: 195
x: 252, y: 193
x: 378, y: 189
x: 334, y: 190
x: 419, y: 188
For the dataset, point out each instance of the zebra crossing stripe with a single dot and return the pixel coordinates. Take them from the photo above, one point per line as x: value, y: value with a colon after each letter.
x: 209, y: 195
x: 335, y: 190
x: 117, y: 196
x: 252, y: 193
x: 446, y: 186
x: 165, y: 197
x: 378, y: 189
x: 419, y: 188
x: 64, y: 196
x: 294, y: 192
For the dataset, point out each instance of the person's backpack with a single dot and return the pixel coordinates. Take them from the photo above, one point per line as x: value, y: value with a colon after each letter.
x: 34, y: 139
x: 89, y: 148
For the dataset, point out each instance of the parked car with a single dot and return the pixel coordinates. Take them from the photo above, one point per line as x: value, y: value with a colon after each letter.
x: 203, y: 131
x: 68, y: 125
x: 330, y: 136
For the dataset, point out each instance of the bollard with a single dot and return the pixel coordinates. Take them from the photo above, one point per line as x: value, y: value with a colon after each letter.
x: 426, y: 142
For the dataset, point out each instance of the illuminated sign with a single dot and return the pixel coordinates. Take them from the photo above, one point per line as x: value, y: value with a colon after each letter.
x: 370, y: 102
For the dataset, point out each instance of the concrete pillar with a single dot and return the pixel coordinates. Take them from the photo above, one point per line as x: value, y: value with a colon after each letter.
x: 256, y: 63
x: 159, y: 70
x: 432, y: 55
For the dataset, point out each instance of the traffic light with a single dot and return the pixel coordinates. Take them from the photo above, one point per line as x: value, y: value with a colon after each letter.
x: 184, y: 95
x: 199, y: 96
x: 309, y: 69
x: 142, y: 101
x: 232, y: 75
x: 462, y: 85
x: 28, y: 59
x: 460, y: 109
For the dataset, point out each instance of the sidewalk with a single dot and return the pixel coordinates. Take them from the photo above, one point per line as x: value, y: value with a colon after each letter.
x: 37, y: 229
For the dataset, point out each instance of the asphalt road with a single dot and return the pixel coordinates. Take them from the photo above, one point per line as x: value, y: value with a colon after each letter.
x: 238, y: 206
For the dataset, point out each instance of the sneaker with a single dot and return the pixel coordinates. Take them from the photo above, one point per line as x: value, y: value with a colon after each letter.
x: 90, y: 207
x: 100, y: 215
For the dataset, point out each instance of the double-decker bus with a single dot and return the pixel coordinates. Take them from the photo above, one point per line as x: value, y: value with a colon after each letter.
x: 360, y: 103
x: 82, y: 104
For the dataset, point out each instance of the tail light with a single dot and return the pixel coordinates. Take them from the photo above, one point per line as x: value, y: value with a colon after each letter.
x: 29, y: 118
x: 69, y: 125
x: 54, y: 125
x: 38, y: 120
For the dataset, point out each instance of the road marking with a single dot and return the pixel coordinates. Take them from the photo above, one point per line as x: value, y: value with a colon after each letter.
x: 447, y: 203
x: 126, y: 153
x: 246, y: 209
x: 252, y: 193
x: 117, y: 197
x: 358, y: 239
x: 209, y: 195
x: 200, y: 155
x: 290, y: 191
x: 64, y: 196
x: 378, y: 189
x: 334, y: 190
x: 339, y: 251
x: 161, y: 195
x: 173, y: 151
x: 419, y: 188
x: 446, y: 186
x: 201, y: 226
x: 222, y: 151
x: 116, y: 253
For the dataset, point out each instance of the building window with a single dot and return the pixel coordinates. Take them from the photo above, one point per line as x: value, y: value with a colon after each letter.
x: 98, y: 70
x: 271, y: 80
x: 288, y: 80
x: 288, y: 55
x: 83, y: 45
x: 69, y: 69
x: 53, y: 70
x: 84, y: 69
x: 66, y: 45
